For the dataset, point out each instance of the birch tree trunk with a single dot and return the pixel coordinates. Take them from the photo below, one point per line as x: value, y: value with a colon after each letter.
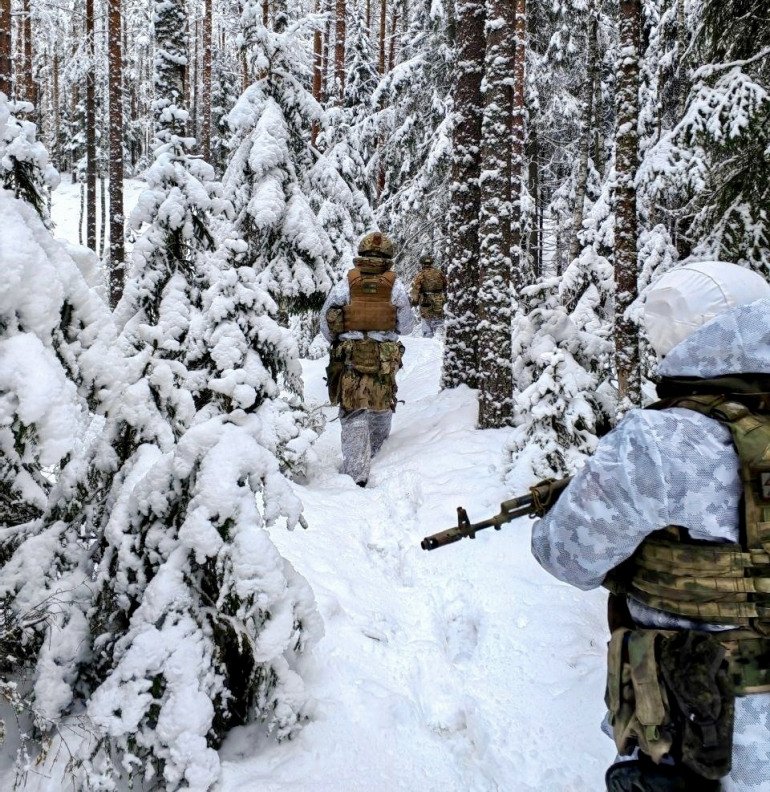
x: 460, y: 348
x: 626, y: 231
x: 117, y: 266
x: 90, y: 130
x: 495, y: 377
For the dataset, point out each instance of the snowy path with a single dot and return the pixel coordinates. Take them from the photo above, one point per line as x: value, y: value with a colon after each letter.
x: 467, y: 668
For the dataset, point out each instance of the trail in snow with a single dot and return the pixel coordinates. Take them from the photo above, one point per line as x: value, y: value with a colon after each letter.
x: 467, y: 668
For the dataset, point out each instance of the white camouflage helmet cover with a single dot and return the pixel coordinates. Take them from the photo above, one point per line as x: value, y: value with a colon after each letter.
x: 686, y: 298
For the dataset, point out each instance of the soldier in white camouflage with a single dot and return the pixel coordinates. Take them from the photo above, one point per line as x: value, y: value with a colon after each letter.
x: 363, y: 317
x: 429, y: 293
x: 672, y: 513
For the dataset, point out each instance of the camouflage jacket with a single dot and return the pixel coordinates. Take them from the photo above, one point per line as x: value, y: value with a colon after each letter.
x: 669, y: 467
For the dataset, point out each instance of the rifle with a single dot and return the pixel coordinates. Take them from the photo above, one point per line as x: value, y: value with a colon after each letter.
x: 539, y: 500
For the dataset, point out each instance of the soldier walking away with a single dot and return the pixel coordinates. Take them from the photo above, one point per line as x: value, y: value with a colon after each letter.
x: 363, y: 317
x: 429, y: 292
x: 672, y: 515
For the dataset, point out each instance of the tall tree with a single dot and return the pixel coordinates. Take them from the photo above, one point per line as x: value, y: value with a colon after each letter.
x: 117, y: 267
x: 339, y: 50
x: 6, y: 51
x: 206, y: 81
x: 90, y: 126
x: 461, y: 348
x: 494, y: 290
x: 626, y: 232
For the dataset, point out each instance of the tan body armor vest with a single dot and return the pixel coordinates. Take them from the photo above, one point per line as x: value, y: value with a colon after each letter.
x: 705, y: 581
x: 370, y: 306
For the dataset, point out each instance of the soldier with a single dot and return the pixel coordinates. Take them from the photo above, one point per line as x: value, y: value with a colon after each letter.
x: 672, y: 514
x: 363, y: 317
x: 429, y: 292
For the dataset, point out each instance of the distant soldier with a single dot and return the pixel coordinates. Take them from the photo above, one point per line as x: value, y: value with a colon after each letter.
x: 363, y: 317
x: 429, y: 292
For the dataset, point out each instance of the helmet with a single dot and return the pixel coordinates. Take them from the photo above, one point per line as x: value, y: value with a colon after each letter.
x: 426, y: 260
x: 376, y: 244
x: 686, y: 298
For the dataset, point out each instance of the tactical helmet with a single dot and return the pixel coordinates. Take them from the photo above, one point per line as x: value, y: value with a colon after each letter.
x: 426, y: 260
x: 376, y: 244
x: 687, y: 297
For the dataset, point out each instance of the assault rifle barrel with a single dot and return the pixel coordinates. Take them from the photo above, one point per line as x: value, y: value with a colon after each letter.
x: 535, y: 504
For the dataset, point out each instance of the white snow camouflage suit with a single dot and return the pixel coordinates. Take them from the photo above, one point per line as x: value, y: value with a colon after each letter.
x: 364, y: 431
x: 668, y: 467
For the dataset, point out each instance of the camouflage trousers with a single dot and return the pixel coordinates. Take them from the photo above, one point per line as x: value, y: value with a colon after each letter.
x: 363, y: 433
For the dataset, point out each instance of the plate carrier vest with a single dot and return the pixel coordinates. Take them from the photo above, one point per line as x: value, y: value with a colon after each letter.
x: 712, y: 582
x: 370, y: 306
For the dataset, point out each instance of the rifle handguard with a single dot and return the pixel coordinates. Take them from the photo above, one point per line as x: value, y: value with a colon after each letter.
x: 541, y: 497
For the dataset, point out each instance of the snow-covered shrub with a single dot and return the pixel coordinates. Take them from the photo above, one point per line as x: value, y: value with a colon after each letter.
x: 24, y: 166
x: 562, y: 353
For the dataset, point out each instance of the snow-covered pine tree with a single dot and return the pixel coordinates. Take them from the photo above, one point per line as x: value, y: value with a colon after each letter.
x: 267, y: 177
x: 414, y: 130
x: 196, y: 620
x: 562, y: 364
x: 718, y: 152
x: 461, y: 347
x: 25, y: 169
x: 55, y: 333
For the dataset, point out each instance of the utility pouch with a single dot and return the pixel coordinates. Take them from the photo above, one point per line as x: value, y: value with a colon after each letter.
x: 693, y: 666
x: 366, y: 356
x: 334, y: 318
x: 636, y: 699
x: 390, y: 357
x: 334, y: 372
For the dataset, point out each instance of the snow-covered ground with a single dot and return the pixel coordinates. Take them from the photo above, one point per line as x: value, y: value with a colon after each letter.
x: 464, y: 669
x: 65, y: 207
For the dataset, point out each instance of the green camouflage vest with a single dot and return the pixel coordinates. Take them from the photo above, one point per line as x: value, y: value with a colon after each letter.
x: 711, y: 582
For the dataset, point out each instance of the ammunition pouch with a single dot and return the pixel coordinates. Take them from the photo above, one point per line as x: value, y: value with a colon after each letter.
x: 365, y: 356
x: 335, y: 320
x: 334, y: 372
x: 368, y: 379
x: 669, y: 693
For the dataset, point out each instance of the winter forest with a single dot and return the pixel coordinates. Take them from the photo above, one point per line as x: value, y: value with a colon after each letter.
x: 162, y: 408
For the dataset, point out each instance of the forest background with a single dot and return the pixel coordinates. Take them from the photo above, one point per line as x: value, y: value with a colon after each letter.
x: 555, y: 157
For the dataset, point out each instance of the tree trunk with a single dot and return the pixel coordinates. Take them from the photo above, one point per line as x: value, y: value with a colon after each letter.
x: 494, y: 315
x: 460, y: 349
x: 339, y: 52
x: 519, y: 269
x: 90, y: 130
x: 57, y: 136
x: 206, y: 120
x: 30, y: 84
x: 586, y: 135
x: 117, y: 266
x: 6, y: 51
x: 626, y: 232
x: 394, y: 18
x: 326, y: 46
x: 383, y: 21
x: 317, y: 69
